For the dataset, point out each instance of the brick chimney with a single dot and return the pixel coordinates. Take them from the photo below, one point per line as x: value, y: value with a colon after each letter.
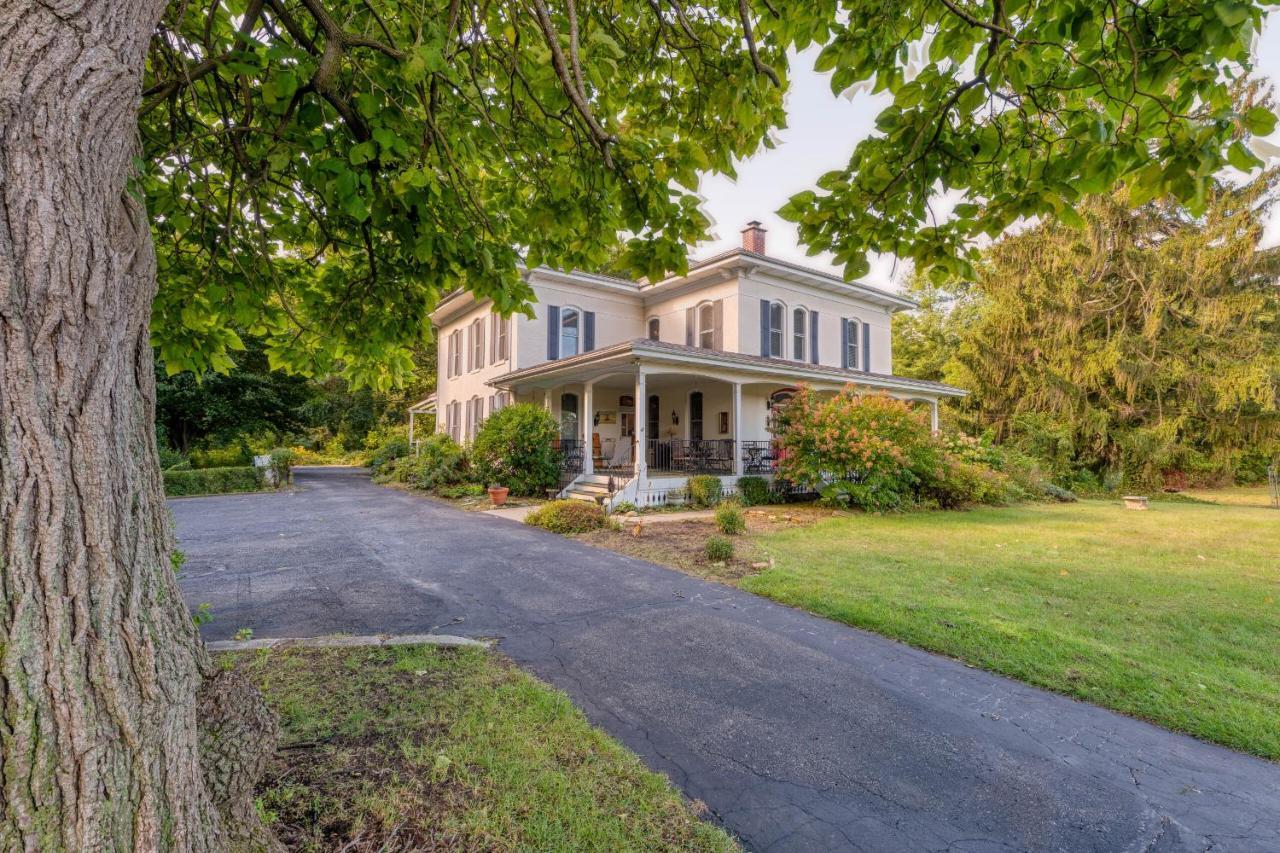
x: 753, y: 237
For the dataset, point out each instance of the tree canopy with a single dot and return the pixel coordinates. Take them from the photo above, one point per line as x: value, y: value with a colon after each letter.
x: 1145, y: 344
x: 320, y: 171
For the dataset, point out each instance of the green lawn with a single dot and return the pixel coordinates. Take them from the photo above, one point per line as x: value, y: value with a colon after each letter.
x: 1259, y: 496
x: 412, y: 748
x: 1172, y: 615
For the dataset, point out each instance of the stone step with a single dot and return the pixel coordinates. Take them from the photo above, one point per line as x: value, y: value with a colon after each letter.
x: 589, y: 497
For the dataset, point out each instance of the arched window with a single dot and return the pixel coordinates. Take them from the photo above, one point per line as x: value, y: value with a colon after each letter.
x: 775, y: 330
x: 776, y: 401
x: 695, y: 416
x: 799, y: 334
x: 852, y: 329
x: 706, y: 325
x: 569, y: 416
x: 654, y: 329
x: 570, y: 331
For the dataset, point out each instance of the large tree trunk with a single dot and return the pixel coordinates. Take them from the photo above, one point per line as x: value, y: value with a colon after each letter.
x: 100, y: 665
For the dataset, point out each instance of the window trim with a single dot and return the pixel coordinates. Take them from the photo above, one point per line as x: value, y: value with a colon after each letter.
x: 800, y: 333
x: 853, y: 344
x: 476, y: 340
x: 456, y: 351
x: 781, y: 330
x: 565, y: 311
x: 706, y: 330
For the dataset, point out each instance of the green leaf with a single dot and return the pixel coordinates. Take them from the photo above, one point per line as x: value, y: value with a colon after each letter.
x: 1242, y: 158
x: 1260, y: 121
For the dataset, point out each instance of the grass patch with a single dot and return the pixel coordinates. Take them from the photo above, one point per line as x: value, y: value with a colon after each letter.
x: 421, y: 748
x: 1258, y: 496
x: 1172, y: 615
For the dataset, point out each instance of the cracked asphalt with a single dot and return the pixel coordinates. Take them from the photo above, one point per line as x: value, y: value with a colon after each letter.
x: 798, y: 733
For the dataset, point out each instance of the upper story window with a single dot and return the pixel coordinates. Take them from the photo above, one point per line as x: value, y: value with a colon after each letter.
x: 852, y: 336
x: 499, y: 337
x: 475, y: 359
x: 455, y: 353
x: 570, y: 331
x: 706, y: 326
x: 775, y: 330
x: 799, y: 334
x: 654, y: 329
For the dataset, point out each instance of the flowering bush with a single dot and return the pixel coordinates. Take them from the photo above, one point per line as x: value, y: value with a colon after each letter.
x: 870, y: 451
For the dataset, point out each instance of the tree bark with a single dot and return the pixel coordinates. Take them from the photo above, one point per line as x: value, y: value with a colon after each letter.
x: 100, y: 664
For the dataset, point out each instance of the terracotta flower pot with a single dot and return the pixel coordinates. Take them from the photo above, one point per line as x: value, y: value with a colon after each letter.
x: 498, y: 495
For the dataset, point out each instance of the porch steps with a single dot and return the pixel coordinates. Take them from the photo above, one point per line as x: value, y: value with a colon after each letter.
x: 593, y: 488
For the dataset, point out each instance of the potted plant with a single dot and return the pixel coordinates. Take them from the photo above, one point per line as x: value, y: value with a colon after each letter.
x: 498, y: 494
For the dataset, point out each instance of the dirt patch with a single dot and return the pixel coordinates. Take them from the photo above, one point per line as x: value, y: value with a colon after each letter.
x: 681, y: 544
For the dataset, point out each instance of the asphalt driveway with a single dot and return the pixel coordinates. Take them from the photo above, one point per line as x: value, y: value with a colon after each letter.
x: 798, y: 733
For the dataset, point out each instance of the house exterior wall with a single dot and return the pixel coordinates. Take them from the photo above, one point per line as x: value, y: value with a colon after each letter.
x: 471, y: 382
x: 621, y: 312
x: 831, y: 309
x: 672, y: 313
x: 618, y: 317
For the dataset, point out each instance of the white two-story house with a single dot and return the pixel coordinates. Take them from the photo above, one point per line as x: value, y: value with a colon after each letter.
x: 653, y: 382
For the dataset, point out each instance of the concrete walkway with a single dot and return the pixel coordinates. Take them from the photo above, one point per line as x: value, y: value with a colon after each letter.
x: 798, y: 733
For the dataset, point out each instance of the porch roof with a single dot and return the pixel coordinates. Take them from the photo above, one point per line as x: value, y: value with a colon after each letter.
x: 616, y: 358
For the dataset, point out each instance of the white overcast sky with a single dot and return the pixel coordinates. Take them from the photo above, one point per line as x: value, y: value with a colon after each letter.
x: 822, y: 131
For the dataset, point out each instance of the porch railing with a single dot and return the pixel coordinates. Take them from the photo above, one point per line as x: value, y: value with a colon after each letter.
x: 691, y: 456
x: 682, y: 456
x: 758, y: 457
x: 570, y: 450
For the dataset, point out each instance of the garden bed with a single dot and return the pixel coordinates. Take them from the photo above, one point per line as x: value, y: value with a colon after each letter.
x: 427, y: 748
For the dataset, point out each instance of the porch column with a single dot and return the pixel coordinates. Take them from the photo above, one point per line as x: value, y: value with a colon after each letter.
x: 546, y: 399
x: 642, y: 424
x: 933, y: 414
x: 412, y: 450
x: 588, y: 426
x: 737, y: 429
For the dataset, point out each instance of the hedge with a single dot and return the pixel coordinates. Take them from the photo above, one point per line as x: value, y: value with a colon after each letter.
x: 212, y: 481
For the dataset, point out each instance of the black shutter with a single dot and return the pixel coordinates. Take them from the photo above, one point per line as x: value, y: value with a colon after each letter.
x: 844, y: 343
x: 588, y: 331
x: 764, y: 327
x: 553, y: 332
x: 866, y: 347
x: 717, y: 314
x: 813, y: 336
x: 689, y: 321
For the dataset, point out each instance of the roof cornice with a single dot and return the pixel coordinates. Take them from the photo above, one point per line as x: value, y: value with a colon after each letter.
x: 678, y: 353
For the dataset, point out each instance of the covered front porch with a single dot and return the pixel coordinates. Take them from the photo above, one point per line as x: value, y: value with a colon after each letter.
x: 650, y: 410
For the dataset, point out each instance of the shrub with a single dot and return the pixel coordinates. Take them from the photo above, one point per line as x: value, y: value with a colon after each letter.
x: 730, y: 520
x: 958, y: 483
x: 232, y: 456
x: 212, y: 481
x: 870, y: 496
x: 170, y: 458
x: 754, y: 491
x: 705, y: 490
x: 1058, y: 493
x: 624, y: 507
x: 441, y: 461
x: 282, y: 466
x: 856, y: 450
x: 567, y: 516
x: 719, y: 549
x: 514, y: 448
x: 395, y: 445
x: 463, y: 490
